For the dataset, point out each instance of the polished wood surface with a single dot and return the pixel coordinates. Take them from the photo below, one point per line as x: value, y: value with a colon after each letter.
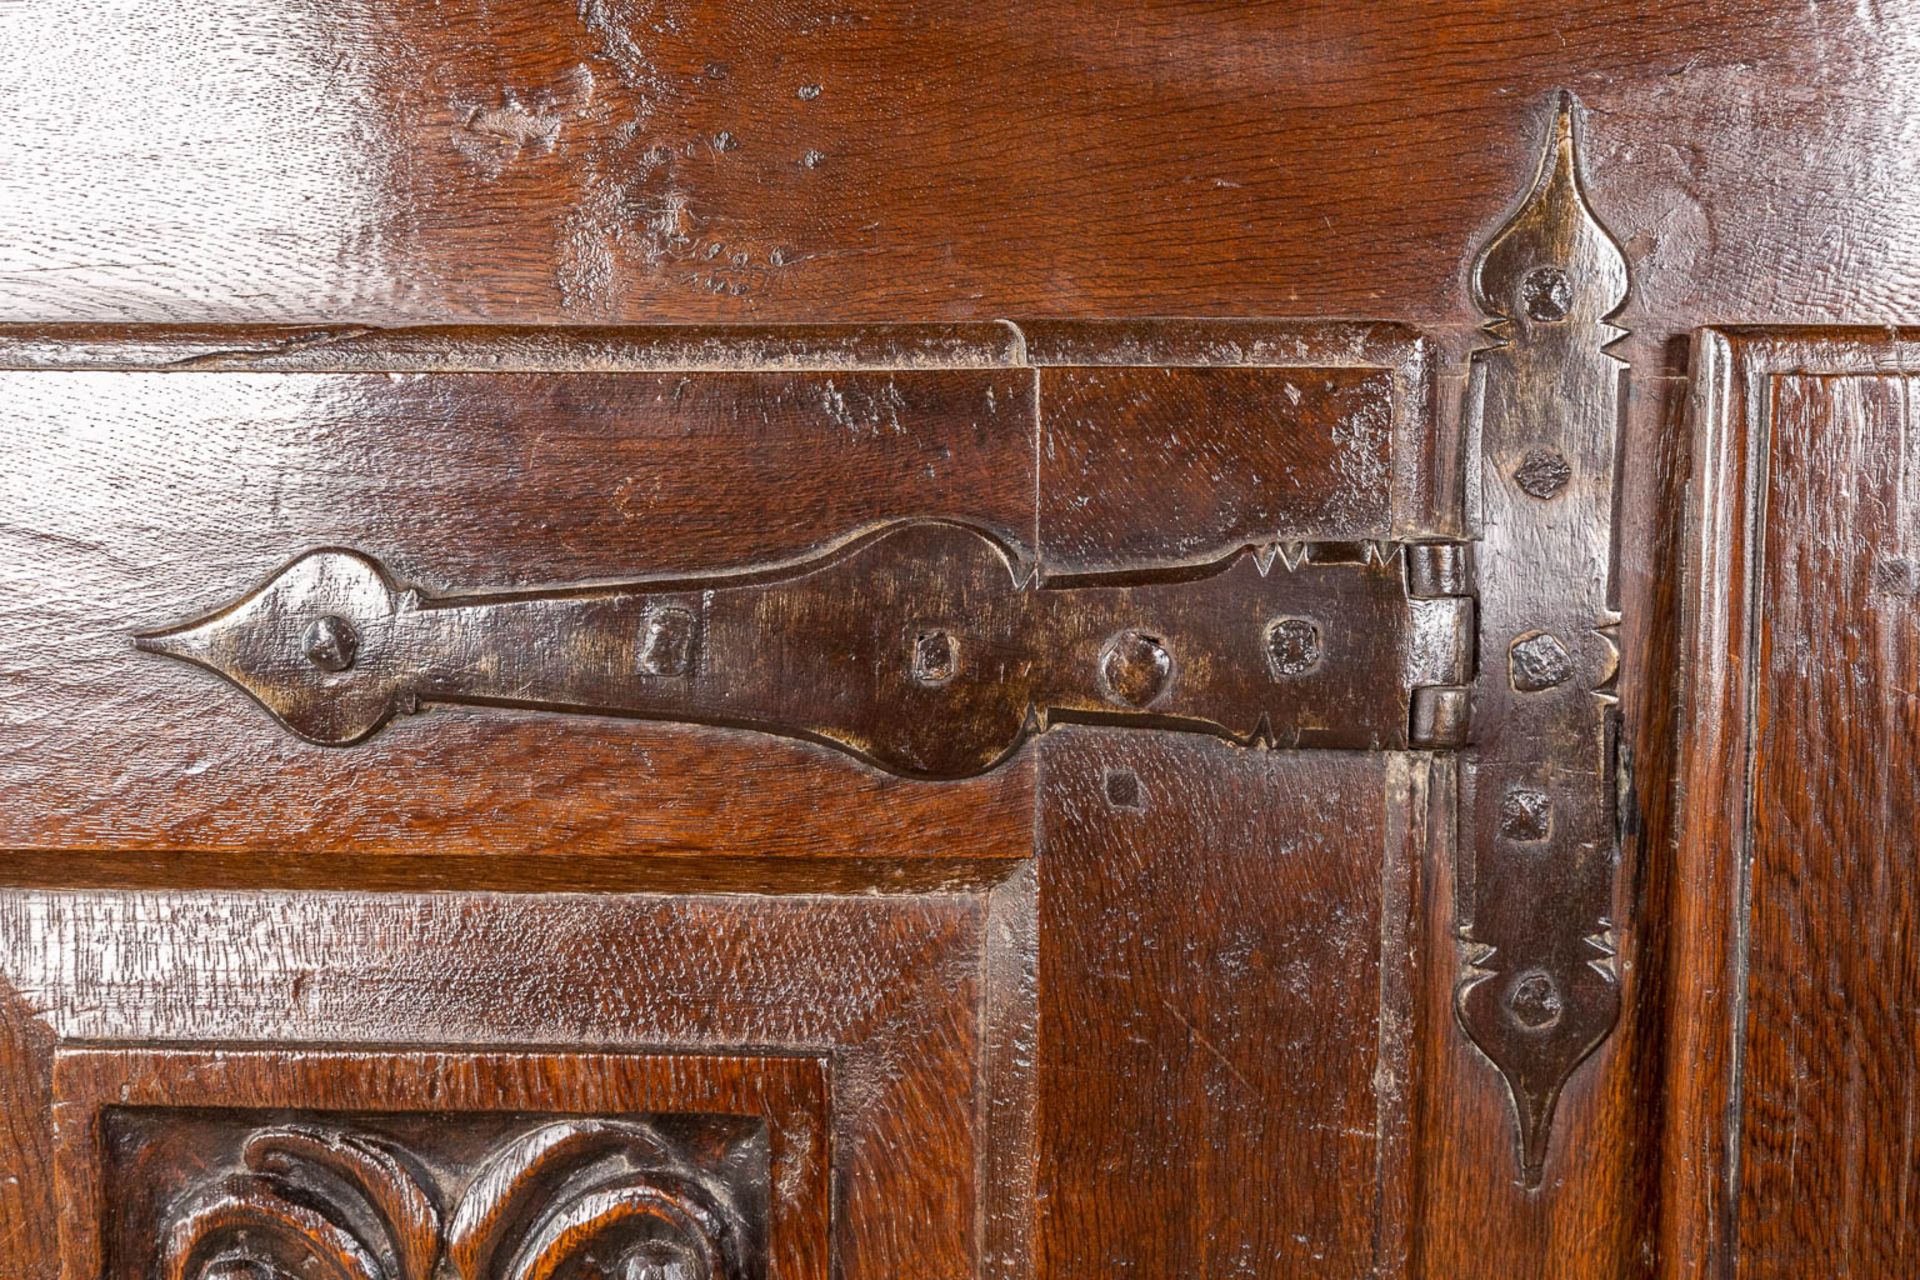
x: 468, y: 480
x: 325, y: 168
x: 1831, y: 1055
x: 677, y: 458
x: 1228, y: 987
x: 651, y: 160
x: 1286, y: 640
x: 1795, y: 1063
x: 890, y: 989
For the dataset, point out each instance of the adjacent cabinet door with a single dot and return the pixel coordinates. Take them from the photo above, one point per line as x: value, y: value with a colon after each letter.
x: 1791, y: 1149
x: 891, y: 640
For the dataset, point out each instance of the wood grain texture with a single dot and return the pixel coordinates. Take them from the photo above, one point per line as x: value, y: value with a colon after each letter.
x: 1794, y: 1060
x: 673, y: 160
x: 1827, y: 1095
x: 1220, y: 429
x: 510, y: 348
x: 527, y: 459
x: 356, y: 162
x: 140, y: 495
x: 27, y: 1208
x: 1117, y: 439
x: 1223, y: 984
x: 890, y: 988
x: 510, y: 469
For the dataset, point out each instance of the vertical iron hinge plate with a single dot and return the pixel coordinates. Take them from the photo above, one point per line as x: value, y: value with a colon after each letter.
x: 1538, y: 794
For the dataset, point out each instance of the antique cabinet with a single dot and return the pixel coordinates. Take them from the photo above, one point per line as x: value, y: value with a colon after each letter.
x: 646, y: 640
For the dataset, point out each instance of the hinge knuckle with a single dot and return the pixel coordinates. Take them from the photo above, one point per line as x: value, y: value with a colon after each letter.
x: 1443, y: 633
x: 1439, y: 569
x: 1440, y: 716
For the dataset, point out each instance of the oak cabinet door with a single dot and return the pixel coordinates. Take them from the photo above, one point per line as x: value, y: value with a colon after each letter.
x: 1794, y: 1043
x: 765, y: 804
x: 636, y: 643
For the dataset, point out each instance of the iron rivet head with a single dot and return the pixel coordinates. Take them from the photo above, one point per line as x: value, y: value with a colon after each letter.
x: 1533, y: 1002
x: 1547, y: 294
x: 666, y: 641
x: 1537, y: 660
x: 1543, y: 473
x: 1526, y: 815
x: 331, y: 643
x: 936, y: 656
x: 1123, y: 789
x: 1894, y: 576
x: 1293, y: 647
x: 1135, y: 669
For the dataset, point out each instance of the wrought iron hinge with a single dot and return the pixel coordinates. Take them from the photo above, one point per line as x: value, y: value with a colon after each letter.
x: 1538, y: 791
x: 925, y: 647
x: 934, y: 649
x: 1440, y: 579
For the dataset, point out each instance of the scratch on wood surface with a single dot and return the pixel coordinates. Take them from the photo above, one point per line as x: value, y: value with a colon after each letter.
x: 244, y: 356
x: 1211, y: 1048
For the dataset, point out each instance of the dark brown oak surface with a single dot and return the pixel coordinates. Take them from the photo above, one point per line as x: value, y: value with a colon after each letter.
x: 888, y: 989
x: 146, y: 494
x: 1177, y: 984
x: 598, y: 161
x: 498, y: 480
x: 1794, y: 1063
x: 672, y: 160
x: 480, y: 458
x: 455, y: 1153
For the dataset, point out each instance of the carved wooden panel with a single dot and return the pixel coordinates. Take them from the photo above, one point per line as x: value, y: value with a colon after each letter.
x: 612, y: 574
x: 450, y: 1026
x: 1238, y: 530
x: 1200, y: 526
x: 319, y: 167
x: 201, y: 1165
x: 1795, y: 1064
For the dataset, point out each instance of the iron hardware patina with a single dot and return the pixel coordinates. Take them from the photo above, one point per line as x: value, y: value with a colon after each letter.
x: 923, y: 647
x: 933, y: 648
